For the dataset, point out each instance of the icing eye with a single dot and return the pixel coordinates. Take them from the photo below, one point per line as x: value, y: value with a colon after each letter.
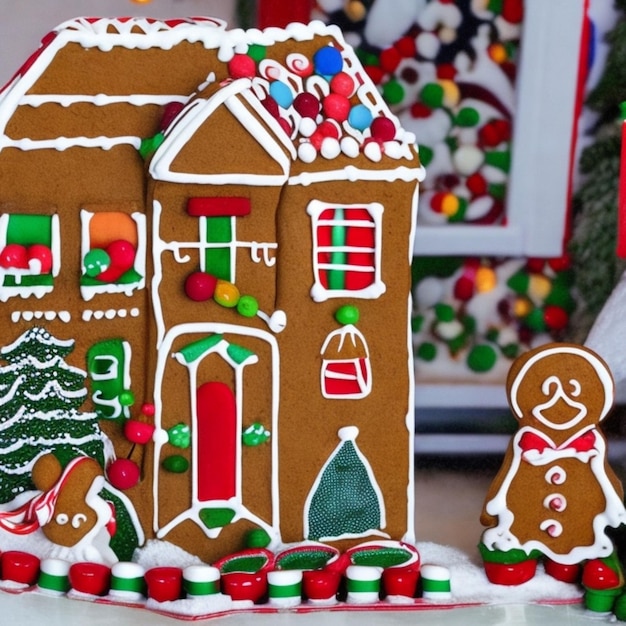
x: 78, y: 519
x: 62, y: 519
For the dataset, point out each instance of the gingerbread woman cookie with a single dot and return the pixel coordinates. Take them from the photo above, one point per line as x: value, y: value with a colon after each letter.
x: 555, y: 494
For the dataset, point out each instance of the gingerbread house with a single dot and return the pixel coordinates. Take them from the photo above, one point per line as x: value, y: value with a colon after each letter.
x: 220, y: 225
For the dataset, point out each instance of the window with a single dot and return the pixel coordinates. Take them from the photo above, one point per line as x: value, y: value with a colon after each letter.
x: 113, y: 250
x: 218, y: 227
x: 29, y: 254
x: 346, y: 250
x: 108, y: 366
x: 346, y: 370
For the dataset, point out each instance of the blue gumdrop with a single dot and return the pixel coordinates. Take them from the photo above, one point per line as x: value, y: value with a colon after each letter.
x: 281, y: 93
x: 327, y: 61
x: 360, y: 117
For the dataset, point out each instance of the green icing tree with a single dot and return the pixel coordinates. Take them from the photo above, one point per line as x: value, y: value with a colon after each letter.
x: 597, y: 269
x: 40, y: 398
x: 346, y: 499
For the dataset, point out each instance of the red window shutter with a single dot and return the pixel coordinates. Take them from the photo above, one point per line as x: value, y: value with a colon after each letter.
x: 218, y: 206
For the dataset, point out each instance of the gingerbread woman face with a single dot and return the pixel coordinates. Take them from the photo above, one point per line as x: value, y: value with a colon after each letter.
x: 560, y: 389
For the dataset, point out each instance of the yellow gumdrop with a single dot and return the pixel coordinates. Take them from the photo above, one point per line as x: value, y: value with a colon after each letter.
x: 449, y: 205
x: 522, y: 307
x: 498, y: 53
x: 486, y: 279
x: 539, y: 286
x: 451, y: 93
x: 226, y: 294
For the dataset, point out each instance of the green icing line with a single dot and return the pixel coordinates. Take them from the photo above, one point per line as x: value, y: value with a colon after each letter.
x: 196, y: 349
x: 238, y: 353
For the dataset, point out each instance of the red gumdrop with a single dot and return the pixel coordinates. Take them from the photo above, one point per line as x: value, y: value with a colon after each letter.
x: 316, y: 139
x: 561, y: 263
x: 336, y: 107
x: 383, y: 129
x: 307, y: 105
x: 555, y: 317
x: 138, y: 432
x: 390, y: 59
x: 535, y: 265
x: 464, y: 288
x: 200, y: 286
x: 446, y: 71
x: 123, y: 473
x: 328, y: 129
x: 513, y: 11
x: 148, y: 409
x: 488, y: 135
x: 406, y: 47
x: 476, y: 184
x: 43, y: 254
x: 419, y: 110
x: 14, y: 256
x: 242, y: 66
x: 375, y: 73
x: 122, y: 255
x: 170, y: 112
x: 342, y: 84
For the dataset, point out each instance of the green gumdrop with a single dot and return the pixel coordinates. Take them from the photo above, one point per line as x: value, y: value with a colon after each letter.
x: 347, y: 314
x: 258, y: 538
x: 481, y: 358
x: 96, y: 261
x: 393, y: 92
x: 535, y: 320
x: 179, y: 436
x: 257, y: 52
x: 176, y: 464
x: 444, y: 312
x: 519, y: 282
x: 427, y: 351
x: 127, y: 398
x: 467, y: 117
x: 149, y: 145
x: 426, y: 155
x: 432, y: 95
x: 247, y: 306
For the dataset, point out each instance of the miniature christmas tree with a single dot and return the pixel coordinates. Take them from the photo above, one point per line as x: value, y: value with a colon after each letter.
x: 595, y: 204
x: 40, y: 398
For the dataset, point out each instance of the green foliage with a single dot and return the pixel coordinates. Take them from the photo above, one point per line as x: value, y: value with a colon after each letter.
x: 596, y: 267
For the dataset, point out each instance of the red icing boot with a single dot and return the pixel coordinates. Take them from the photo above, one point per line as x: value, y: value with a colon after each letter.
x: 510, y: 573
x: 603, y: 581
x: 562, y: 572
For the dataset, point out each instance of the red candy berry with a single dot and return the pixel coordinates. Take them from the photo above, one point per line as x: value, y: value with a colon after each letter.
x: 123, y: 473
x: 242, y: 66
x: 307, y: 105
x: 555, y: 317
x: 42, y: 254
x: 122, y: 255
x: 342, y: 84
x: 390, y: 59
x: 336, y: 107
x: 14, y: 256
x: 200, y: 286
x: 138, y: 432
x: 406, y: 47
x: 383, y: 129
x: 171, y: 111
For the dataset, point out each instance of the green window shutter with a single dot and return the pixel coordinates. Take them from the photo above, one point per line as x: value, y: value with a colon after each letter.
x: 217, y: 259
x: 27, y: 230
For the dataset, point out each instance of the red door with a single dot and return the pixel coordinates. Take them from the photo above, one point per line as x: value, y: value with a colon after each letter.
x: 216, y: 442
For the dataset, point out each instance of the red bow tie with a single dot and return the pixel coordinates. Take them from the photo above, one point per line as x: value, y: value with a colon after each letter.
x: 534, y: 441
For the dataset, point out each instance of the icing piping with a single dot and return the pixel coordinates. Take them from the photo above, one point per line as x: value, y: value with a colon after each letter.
x: 161, y: 438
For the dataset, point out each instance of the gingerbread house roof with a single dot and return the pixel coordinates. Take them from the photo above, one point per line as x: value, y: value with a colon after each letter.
x: 305, y: 76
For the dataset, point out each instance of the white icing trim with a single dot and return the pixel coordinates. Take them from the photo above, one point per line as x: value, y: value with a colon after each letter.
x: 500, y: 537
x: 319, y: 293
x: 355, y: 174
x: 203, y: 329
x: 604, y: 375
